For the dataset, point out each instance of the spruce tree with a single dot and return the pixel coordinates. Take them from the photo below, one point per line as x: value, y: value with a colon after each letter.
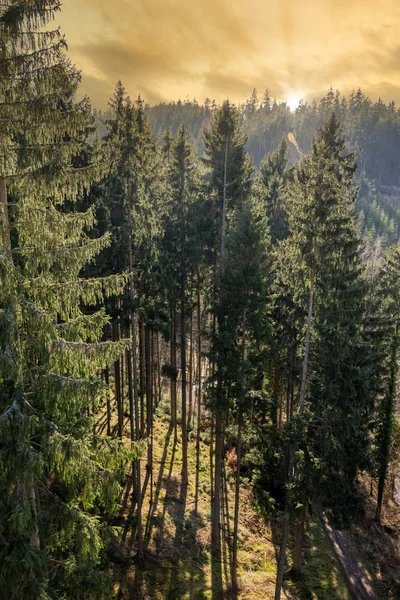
x: 387, y: 287
x: 274, y: 175
x: 332, y: 392
x: 57, y: 476
x: 230, y: 173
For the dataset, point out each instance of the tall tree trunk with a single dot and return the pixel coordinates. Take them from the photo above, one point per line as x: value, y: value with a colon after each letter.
x: 219, y: 442
x: 190, y: 369
x: 35, y: 537
x: 137, y: 435
x: 128, y: 361
x: 183, y: 377
x: 5, y: 227
x: 216, y: 513
x: 173, y: 377
x: 122, y: 406
x: 136, y: 429
x: 117, y: 380
x: 238, y: 462
x: 306, y: 360
x: 149, y: 408
x: 159, y: 384
x: 142, y: 379
x: 296, y: 566
x: 237, y: 501
x: 390, y: 402
x: 199, y: 392
x: 298, y: 548
x: 212, y: 420
x: 275, y: 394
x: 282, y: 549
x: 107, y: 380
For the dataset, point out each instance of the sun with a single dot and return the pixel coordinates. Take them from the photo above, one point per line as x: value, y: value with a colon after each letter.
x: 293, y: 100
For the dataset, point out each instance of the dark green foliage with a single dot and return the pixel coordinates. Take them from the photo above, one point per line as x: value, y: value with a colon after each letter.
x: 322, y: 222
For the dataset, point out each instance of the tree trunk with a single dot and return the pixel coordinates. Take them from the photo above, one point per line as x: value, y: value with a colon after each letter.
x: 142, y: 382
x: 173, y: 377
x: 238, y: 461
x: 216, y: 513
x: 282, y: 553
x: 219, y: 442
x: 306, y: 351
x: 117, y: 380
x: 136, y: 429
x: 35, y: 538
x: 275, y: 394
x: 285, y: 528
x: 212, y: 420
x: 199, y: 392
x: 149, y: 408
x: 298, y: 548
x: 122, y: 406
x: 183, y: 377
x: 5, y: 227
x: 390, y: 402
x: 296, y: 567
x: 107, y: 380
x: 237, y: 499
x: 159, y: 369
x: 190, y: 370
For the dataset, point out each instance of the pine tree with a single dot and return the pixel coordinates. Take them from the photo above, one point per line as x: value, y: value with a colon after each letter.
x: 184, y: 188
x: 274, y: 176
x: 245, y: 328
x: 57, y: 474
x: 230, y: 178
x: 131, y: 191
x: 332, y: 393
x: 387, y: 287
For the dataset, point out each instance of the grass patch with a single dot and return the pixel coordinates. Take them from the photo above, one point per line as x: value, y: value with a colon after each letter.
x: 321, y: 578
x: 179, y: 564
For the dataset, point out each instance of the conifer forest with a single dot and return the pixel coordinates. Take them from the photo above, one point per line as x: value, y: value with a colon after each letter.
x: 199, y: 338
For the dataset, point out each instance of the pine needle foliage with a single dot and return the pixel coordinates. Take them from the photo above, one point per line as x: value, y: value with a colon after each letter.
x: 57, y: 476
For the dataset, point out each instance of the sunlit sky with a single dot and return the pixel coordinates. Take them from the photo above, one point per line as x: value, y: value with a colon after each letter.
x: 170, y: 49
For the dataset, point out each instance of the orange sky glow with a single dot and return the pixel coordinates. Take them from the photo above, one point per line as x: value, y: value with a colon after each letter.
x: 171, y: 49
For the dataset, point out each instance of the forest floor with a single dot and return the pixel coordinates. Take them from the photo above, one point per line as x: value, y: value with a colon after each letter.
x: 178, y: 562
x: 378, y: 545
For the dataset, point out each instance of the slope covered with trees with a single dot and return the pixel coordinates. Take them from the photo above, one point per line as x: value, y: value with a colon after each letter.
x: 166, y: 299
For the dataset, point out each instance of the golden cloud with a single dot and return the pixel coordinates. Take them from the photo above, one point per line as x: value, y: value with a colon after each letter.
x: 169, y: 49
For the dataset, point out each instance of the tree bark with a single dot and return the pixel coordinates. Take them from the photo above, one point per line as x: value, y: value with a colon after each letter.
x: 117, y: 380
x: 199, y: 392
x: 219, y: 442
x: 136, y: 429
x: 238, y: 462
x: 35, y: 538
x: 190, y: 370
x: 107, y: 380
x: 183, y: 380
x: 142, y: 380
x: 149, y: 408
x: 159, y: 369
x: 298, y: 548
x: 173, y: 377
x: 306, y: 351
x: 390, y: 401
x: 5, y: 227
